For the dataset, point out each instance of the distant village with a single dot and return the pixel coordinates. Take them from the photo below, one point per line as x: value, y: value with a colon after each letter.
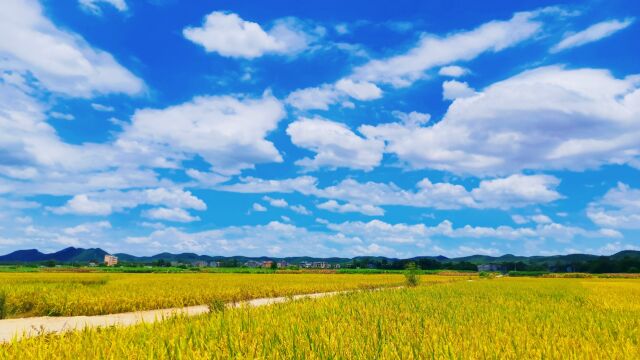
x: 112, y: 260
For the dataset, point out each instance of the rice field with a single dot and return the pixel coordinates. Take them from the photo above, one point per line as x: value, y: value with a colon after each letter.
x: 66, y: 294
x: 506, y: 318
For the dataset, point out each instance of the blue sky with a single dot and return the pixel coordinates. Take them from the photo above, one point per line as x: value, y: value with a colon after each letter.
x: 320, y: 128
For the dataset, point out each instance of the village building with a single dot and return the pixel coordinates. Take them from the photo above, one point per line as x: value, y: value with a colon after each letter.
x: 267, y: 264
x: 252, y: 264
x: 110, y: 260
x: 491, y: 268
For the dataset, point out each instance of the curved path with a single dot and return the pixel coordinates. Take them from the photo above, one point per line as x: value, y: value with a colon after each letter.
x: 34, y: 326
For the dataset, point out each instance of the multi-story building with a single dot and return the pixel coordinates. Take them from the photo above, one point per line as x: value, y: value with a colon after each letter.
x: 110, y: 260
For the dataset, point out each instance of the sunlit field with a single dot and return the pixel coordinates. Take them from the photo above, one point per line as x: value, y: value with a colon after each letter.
x: 508, y: 318
x: 59, y: 294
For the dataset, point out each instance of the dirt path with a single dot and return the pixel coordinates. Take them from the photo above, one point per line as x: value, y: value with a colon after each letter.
x: 34, y: 326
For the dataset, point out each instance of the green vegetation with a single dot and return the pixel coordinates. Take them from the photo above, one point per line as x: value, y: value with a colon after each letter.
x: 411, y: 275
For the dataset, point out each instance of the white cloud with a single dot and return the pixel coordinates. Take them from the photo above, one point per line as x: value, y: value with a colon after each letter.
x: 519, y: 219
x: 93, y: 6
x: 227, y: 132
x: 280, y: 203
x: 258, y: 207
x: 537, y: 218
x: 431, y: 51
x: 253, y: 185
x: 229, y: 35
x: 591, y: 34
x: 412, y: 119
x: 300, y: 209
x: 504, y: 193
x: 107, y: 202
x: 541, y: 219
x: 206, y: 178
x: 82, y: 205
x: 517, y: 190
x: 619, y: 208
x: 335, y: 145
x: 452, y: 89
x: 61, y: 116
x: 102, y: 108
x: 453, y: 71
x: 545, y: 118
x: 366, y: 209
x: 170, y: 214
x: 612, y: 248
x: 87, y: 228
x: 61, y: 61
x: 383, y: 232
x: 359, y: 90
x: 314, y: 97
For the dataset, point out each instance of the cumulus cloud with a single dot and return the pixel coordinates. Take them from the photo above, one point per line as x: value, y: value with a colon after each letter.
x: 258, y: 207
x: 453, y: 71
x: 82, y: 205
x: 62, y: 61
x: 300, y: 209
x: 280, y: 203
x: 366, y: 209
x: 314, y: 97
x: 413, y: 118
x: 227, y: 132
x: 591, y: 34
x: 253, y: 185
x: 170, y: 214
x: 544, y: 118
x: 517, y: 190
x: 106, y: 202
x: 359, y: 90
x: 335, y: 145
x: 452, y: 89
x: 229, y: 35
x: 619, y: 208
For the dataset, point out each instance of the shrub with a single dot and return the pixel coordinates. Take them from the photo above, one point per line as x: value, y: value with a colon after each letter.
x: 411, y: 275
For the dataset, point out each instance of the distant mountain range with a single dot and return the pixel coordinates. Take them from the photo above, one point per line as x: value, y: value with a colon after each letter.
x: 79, y: 255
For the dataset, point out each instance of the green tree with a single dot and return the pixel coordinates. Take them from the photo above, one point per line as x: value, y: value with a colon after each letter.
x: 411, y: 274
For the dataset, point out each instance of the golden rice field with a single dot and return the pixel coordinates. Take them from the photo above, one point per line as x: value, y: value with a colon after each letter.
x: 507, y: 318
x: 61, y: 294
